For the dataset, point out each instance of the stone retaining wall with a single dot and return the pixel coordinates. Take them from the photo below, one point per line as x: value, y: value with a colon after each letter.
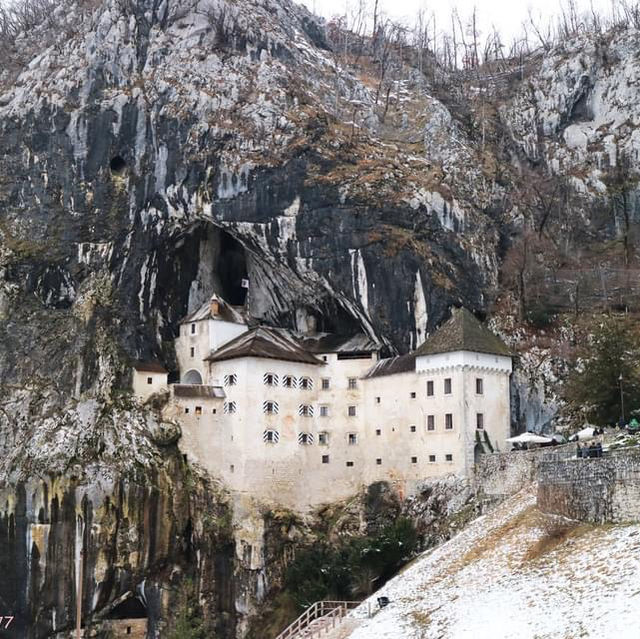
x: 600, y: 490
x: 504, y: 474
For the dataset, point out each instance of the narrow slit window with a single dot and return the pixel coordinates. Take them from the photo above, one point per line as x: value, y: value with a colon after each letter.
x: 193, y: 329
x: 479, y: 421
x: 448, y: 421
x: 479, y: 386
x: 430, y: 388
x: 447, y: 386
x: 431, y: 422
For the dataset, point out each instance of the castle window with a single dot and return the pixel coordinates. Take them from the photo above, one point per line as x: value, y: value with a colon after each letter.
x: 325, y: 358
x: 193, y: 329
x: 377, y: 400
x: 288, y: 381
x: 270, y: 407
x: 447, y: 386
x: 230, y: 408
x: 271, y: 437
x: 305, y: 383
x: 414, y: 460
x: 305, y: 439
x: 431, y: 422
x: 351, y: 411
x: 186, y: 410
x: 149, y: 380
x: 198, y: 410
x: 448, y: 421
x: 432, y: 458
x: 305, y: 410
x: 326, y: 383
x: 448, y: 458
x: 413, y: 395
x: 349, y: 464
x: 479, y: 421
x: 352, y: 439
x: 352, y: 383
x: 323, y: 439
x: 230, y: 380
x: 324, y: 411
x: 192, y: 351
x: 232, y: 468
x: 479, y: 386
x: 378, y: 432
x: 412, y: 428
x: 430, y: 388
x: 379, y: 461
x: 325, y: 459
x: 214, y: 411
x: 270, y: 379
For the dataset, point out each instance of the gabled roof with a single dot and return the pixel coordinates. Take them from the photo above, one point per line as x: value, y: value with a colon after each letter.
x: 268, y: 343
x: 392, y: 366
x: 330, y: 343
x: 150, y: 367
x: 226, y: 312
x: 463, y: 332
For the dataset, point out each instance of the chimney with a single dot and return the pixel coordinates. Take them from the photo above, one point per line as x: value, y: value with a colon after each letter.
x: 215, y: 306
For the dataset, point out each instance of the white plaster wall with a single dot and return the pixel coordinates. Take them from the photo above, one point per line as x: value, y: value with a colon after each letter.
x: 222, y: 332
x: 142, y: 389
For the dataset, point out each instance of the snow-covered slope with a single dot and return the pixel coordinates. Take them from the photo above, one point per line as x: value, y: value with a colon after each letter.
x: 517, y: 573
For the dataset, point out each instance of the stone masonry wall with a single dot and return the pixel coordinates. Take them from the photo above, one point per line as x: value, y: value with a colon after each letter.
x: 503, y: 474
x: 595, y: 490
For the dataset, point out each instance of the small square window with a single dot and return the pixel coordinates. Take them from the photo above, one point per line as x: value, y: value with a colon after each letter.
x: 447, y: 386
x: 430, y: 388
x: 193, y: 329
x: 353, y: 383
x: 214, y: 411
x: 448, y: 421
x: 414, y: 460
x: 378, y: 432
x: 431, y: 422
x: 379, y: 461
x: 432, y: 458
x: 323, y: 439
x: 325, y: 459
x: 128, y: 630
x: 326, y: 383
x: 149, y: 380
x: 352, y: 411
x: 352, y: 439
x: 192, y: 351
x: 324, y: 411
x: 413, y: 395
x: 448, y: 457
x: 349, y: 464
x: 198, y: 410
x: 479, y: 386
x: 412, y: 428
x: 186, y: 410
x: 479, y: 421
x: 377, y: 400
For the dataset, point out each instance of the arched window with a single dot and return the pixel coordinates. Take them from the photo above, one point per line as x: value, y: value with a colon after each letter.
x: 271, y: 437
x: 305, y: 383
x: 192, y: 377
x: 305, y: 439
x: 270, y: 407
x: 270, y: 379
x: 289, y: 381
x: 305, y: 410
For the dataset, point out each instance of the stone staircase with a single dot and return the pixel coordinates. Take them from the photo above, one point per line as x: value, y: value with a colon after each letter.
x: 318, y: 620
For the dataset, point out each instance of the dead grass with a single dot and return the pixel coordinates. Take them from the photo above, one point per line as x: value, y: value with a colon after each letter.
x: 556, y: 533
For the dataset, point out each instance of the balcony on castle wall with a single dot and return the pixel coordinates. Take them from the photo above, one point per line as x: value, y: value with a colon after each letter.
x: 202, y: 391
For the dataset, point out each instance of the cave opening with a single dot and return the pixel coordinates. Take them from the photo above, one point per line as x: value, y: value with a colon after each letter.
x: 117, y: 165
x: 231, y: 267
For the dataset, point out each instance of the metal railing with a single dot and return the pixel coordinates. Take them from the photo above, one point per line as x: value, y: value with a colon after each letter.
x: 320, y: 617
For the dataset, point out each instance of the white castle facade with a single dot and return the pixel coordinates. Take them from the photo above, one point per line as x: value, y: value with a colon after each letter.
x: 302, y: 420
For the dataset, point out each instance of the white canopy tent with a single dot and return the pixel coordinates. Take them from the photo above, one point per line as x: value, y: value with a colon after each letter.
x: 529, y: 438
x: 585, y: 433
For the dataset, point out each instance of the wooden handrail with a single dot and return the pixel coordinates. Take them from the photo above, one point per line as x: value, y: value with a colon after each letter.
x: 329, y: 610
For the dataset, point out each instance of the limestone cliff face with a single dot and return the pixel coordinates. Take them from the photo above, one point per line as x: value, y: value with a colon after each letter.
x: 157, y: 151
